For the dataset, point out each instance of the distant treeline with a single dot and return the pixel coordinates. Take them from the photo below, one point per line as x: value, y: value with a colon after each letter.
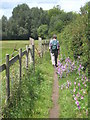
x: 72, y: 29
x: 34, y: 22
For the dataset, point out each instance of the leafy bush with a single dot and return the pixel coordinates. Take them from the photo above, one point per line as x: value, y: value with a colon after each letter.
x: 74, y: 37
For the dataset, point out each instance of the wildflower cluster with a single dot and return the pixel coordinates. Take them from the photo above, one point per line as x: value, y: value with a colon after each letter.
x: 65, y: 68
x: 65, y: 85
x: 80, y: 89
x: 79, y: 86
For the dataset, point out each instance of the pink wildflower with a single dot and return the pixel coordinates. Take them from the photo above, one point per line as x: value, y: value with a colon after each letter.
x: 85, y: 78
x: 77, y: 103
x: 82, y: 97
x: 73, y: 95
x: 75, y: 98
x: 79, y: 107
x: 83, y: 82
x: 78, y: 84
x: 78, y: 95
x: 74, y: 83
x: 74, y: 90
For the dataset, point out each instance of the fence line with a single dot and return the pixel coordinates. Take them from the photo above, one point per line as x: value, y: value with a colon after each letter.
x: 30, y: 49
x: 12, y: 61
x: 42, y: 46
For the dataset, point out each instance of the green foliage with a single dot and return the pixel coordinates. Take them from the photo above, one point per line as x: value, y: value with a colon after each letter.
x: 43, y: 31
x: 22, y: 31
x: 4, y: 26
x: 35, y: 88
x: 0, y: 29
x: 54, y: 12
x: 55, y: 25
x: 38, y: 17
x: 84, y: 9
x: 20, y: 20
x: 25, y: 22
x: 75, y: 38
x: 59, y: 21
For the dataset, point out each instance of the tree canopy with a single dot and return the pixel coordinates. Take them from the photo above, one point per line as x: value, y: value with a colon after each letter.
x: 34, y: 22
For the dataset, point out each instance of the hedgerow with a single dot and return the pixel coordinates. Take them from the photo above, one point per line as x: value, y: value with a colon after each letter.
x: 75, y: 38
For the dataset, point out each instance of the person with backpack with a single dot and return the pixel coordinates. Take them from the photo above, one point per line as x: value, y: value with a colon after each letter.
x: 55, y: 48
x: 52, y: 55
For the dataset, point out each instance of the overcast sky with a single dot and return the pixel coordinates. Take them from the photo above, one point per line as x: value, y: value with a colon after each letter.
x: 6, y: 6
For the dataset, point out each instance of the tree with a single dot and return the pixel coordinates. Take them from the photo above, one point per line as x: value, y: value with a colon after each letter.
x: 22, y: 18
x: 43, y: 31
x: 54, y: 12
x: 85, y: 8
x: 56, y: 25
x: 0, y: 29
x: 39, y: 17
x: 26, y: 22
x: 4, y: 27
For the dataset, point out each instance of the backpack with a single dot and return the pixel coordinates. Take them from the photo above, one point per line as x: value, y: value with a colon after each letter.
x: 54, y: 46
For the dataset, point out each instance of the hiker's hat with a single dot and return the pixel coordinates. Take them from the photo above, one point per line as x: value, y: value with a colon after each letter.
x: 54, y: 36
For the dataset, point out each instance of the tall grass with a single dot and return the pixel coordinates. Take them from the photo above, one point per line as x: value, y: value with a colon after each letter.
x: 35, y: 96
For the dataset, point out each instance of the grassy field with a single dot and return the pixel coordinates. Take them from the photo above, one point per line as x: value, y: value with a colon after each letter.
x: 7, y: 47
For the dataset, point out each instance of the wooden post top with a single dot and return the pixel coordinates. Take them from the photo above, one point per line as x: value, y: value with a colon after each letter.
x: 40, y: 38
x: 31, y: 41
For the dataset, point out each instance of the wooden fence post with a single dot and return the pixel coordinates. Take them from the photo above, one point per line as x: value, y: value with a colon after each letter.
x: 30, y: 47
x: 7, y: 78
x: 40, y: 46
x: 33, y: 53
x: 30, y: 40
x: 20, y: 63
x: 27, y: 56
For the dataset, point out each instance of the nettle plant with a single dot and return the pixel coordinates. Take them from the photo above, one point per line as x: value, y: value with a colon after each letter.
x: 79, y: 85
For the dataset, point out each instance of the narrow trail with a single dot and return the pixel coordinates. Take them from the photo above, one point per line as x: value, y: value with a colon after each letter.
x: 54, y: 112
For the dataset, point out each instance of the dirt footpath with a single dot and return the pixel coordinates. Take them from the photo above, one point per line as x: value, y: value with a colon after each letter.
x: 54, y: 112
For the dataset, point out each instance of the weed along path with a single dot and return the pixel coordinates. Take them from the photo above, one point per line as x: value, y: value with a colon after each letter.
x: 54, y: 112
